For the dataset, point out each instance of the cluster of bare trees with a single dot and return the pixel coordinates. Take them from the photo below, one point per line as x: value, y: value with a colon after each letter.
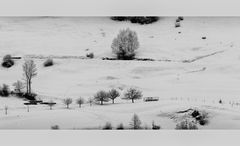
x: 131, y: 94
x: 29, y: 72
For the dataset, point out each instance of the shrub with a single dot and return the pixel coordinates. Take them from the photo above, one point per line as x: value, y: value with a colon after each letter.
x: 125, y: 44
x: 220, y: 101
x: 18, y: 86
x: 181, y: 18
x: 4, y: 90
x: 80, y: 101
x: 7, y: 61
x: 107, y: 126
x: 203, y: 118
x: 90, y: 55
x: 113, y: 94
x: 55, y: 127
x: 119, y: 18
x: 48, y: 62
x: 132, y: 94
x: 137, y: 19
x: 120, y: 126
x: 186, y: 125
x: 177, y: 24
x: 155, y: 127
x: 143, y: 20
x: 136, y: 122
x: 67, y: 102
x: 101, y: 96
x: 30, y: 96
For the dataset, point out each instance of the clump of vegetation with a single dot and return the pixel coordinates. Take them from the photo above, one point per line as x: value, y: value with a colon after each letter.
x: 220, y: 101
x: 18, y: 87
x: 120, y: 126
x: 125, y: 44
x: 90, y: 55
x: 113, y: 94
x: 29, y: 96
x: 177, y: 24
x: 101, y: 96
x: 7, y: 61
x: 55, y: 127
x: 135, y: 122
x: 137, y: 19
x: 80, y: 101
x: 67, y: 102
x: 4, y: 90
x: 186, y: 125
x: 48, y: 62
x: 181, y: 18
x: 107, y: 126
x: 133, y: 94
x: 155, y: 127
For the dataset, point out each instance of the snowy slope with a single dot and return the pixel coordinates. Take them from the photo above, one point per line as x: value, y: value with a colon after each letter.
x: 212, y: 74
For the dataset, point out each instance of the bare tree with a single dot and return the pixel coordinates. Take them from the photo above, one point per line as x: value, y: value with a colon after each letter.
x: 67, y: 102
x: 80, y: 101
x: 18, y: 86
x: 90, y: 101
x: 51, y: 104
x: 29, y: 72
x: 6, y: 110
x: 113, y: 93
x: 101, y: 96
x: 136, y: 122
x: 132, y: 94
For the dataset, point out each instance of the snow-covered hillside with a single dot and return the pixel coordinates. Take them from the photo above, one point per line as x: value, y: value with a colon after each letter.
x: 212, y: 70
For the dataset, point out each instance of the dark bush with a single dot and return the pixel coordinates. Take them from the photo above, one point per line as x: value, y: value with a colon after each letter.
x: 155, y: 127
x: 137, y: 19
x: 181, y: 18
x: 4, y: 90
x: 177, y: 24
x: 30, y: 96
x: 55, y: 127
x: 204, y: 38
x: 195, y: 113
x: 220, y: 101
x: 120, y: 127
x: 119, y: 18
x: 48, y: 62
x: 107, y: 126
x: 7, y: 61
x: 90, y: 55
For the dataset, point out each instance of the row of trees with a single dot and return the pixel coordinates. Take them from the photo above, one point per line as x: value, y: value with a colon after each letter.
x: 103, y: 96
x: 131, y: 94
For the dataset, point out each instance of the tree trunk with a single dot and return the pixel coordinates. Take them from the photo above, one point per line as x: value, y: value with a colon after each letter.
x: 29, y: 86
x: 113, y: 101
x: 101, y: 102
x: 132, y: 100
x: 79, y: 105
x: 67, y: 106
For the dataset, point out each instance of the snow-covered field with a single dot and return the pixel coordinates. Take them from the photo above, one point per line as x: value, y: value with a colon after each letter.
x: 213, y: 72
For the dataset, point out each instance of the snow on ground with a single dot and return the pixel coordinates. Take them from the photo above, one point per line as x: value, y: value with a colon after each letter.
x: 213, y: 73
